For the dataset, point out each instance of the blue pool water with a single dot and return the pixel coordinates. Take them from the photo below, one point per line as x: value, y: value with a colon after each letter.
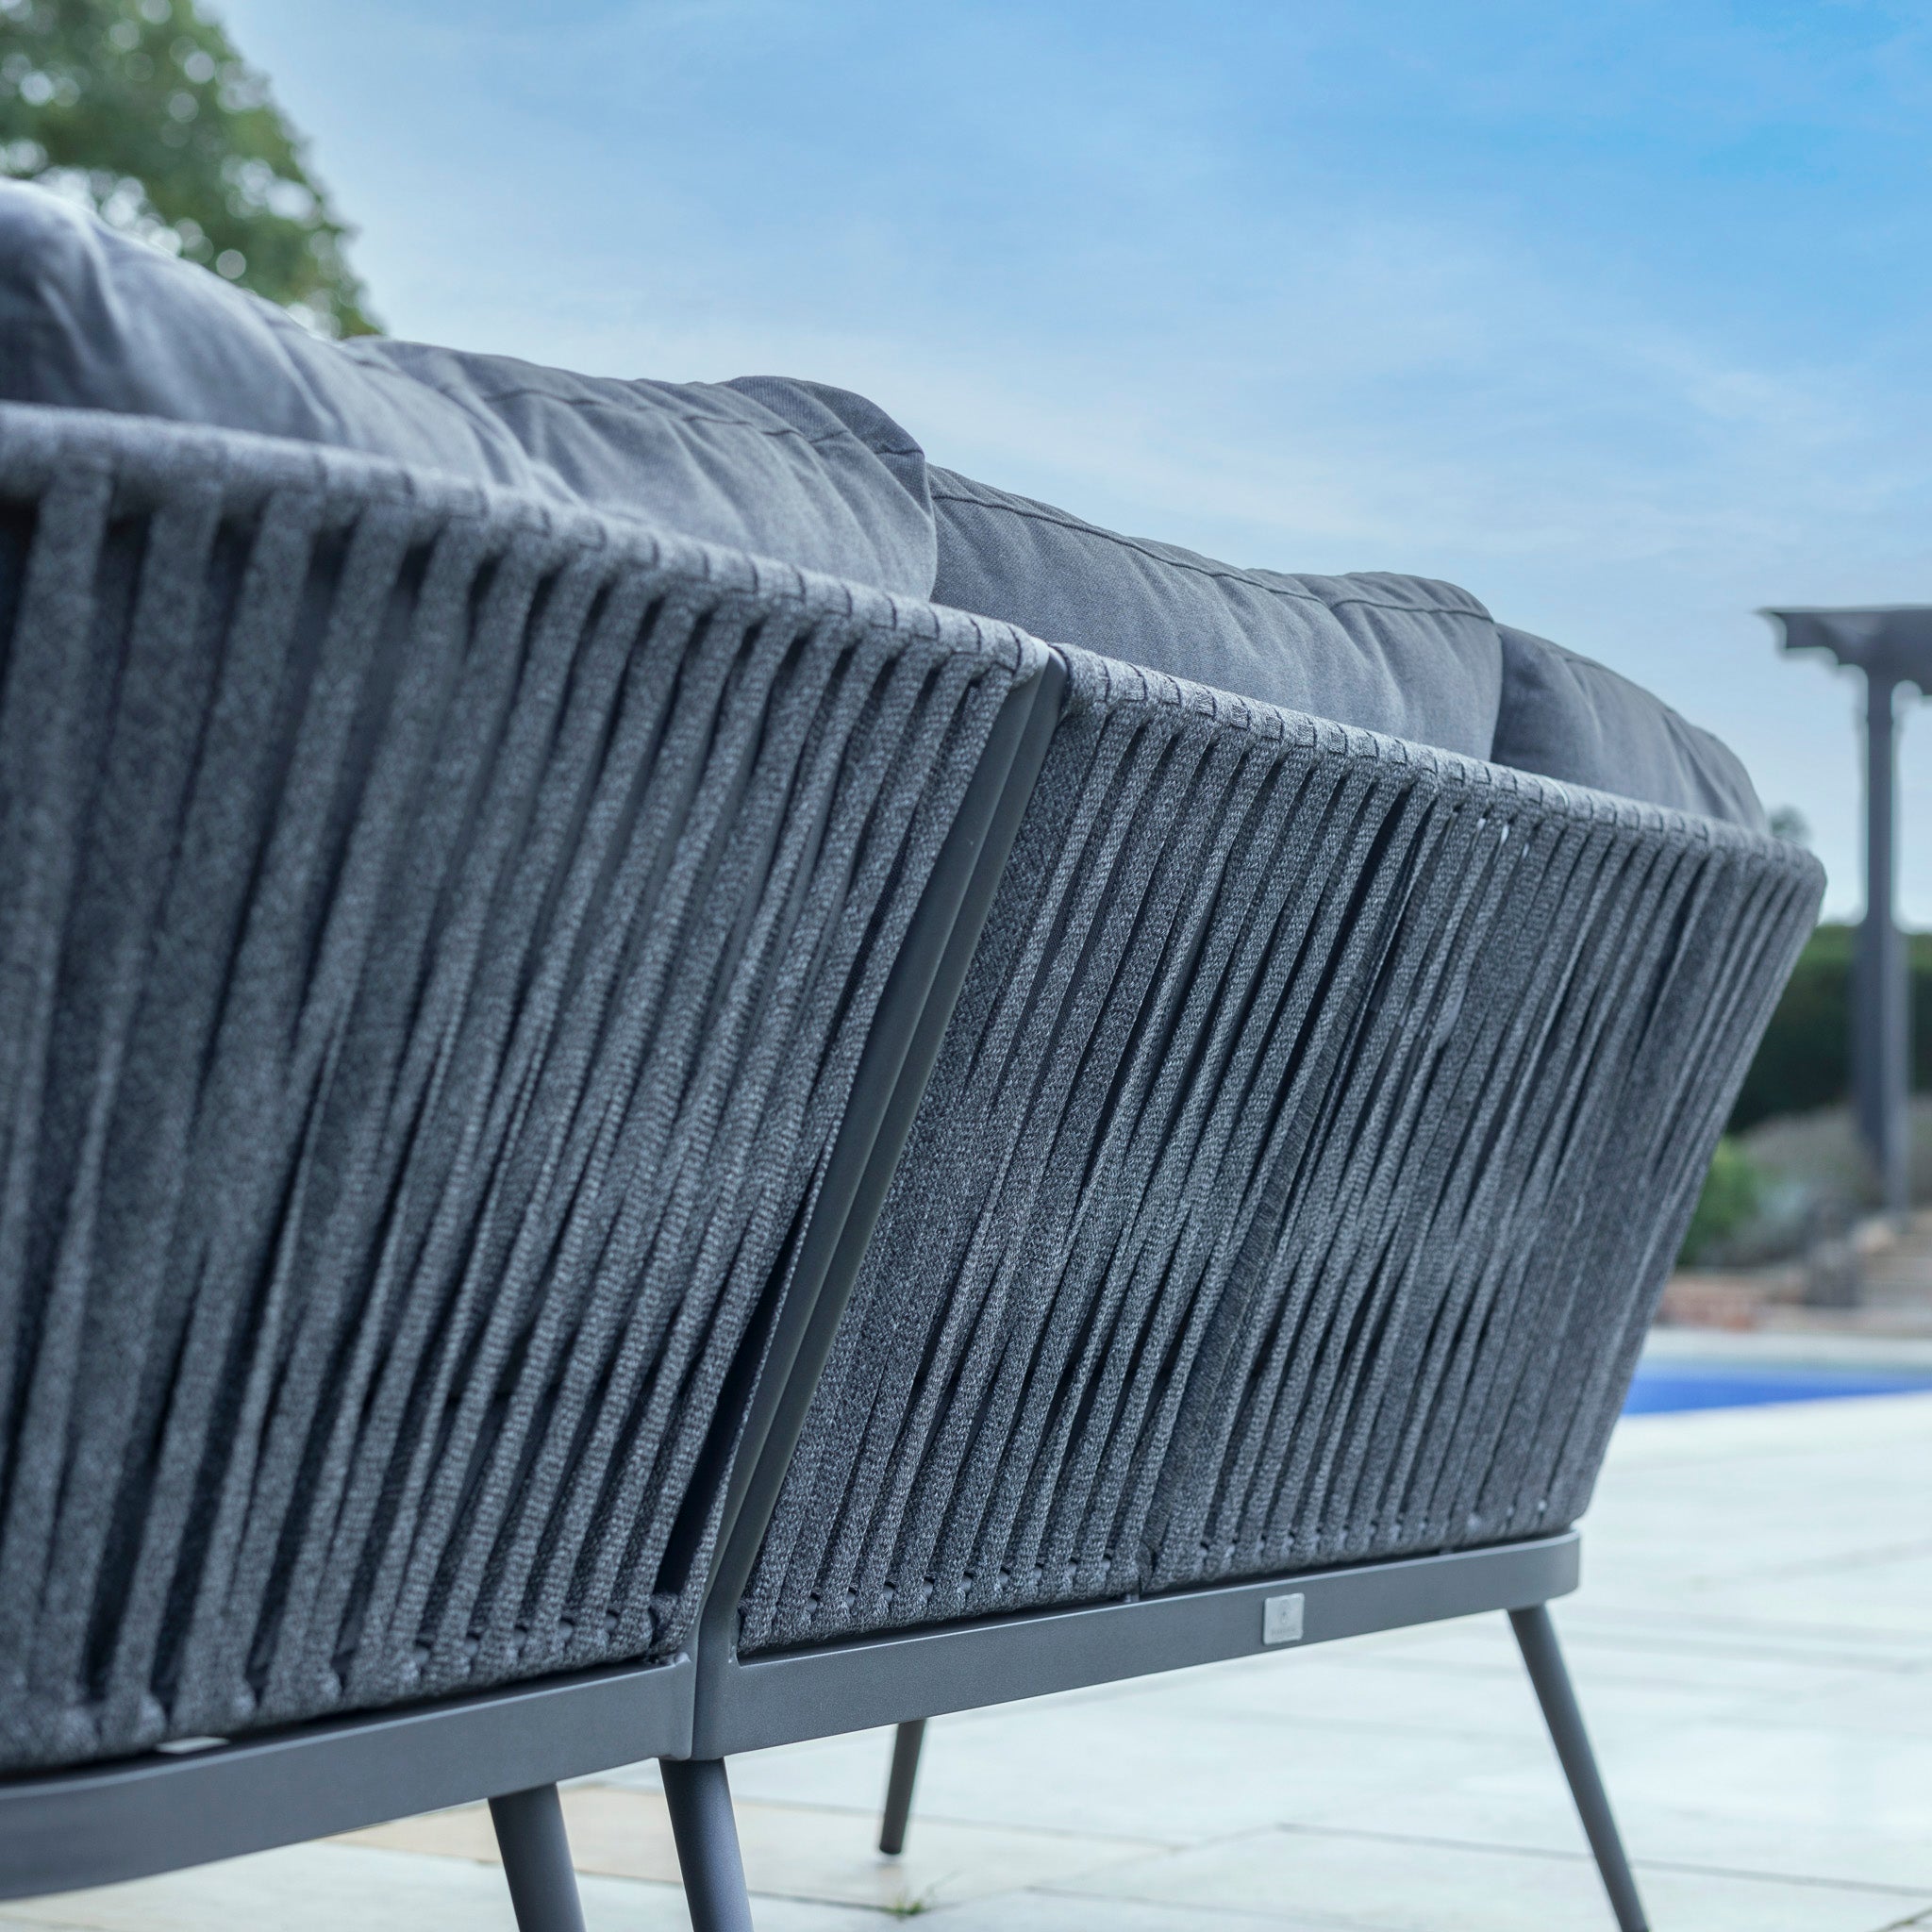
x: 1660, y: 1386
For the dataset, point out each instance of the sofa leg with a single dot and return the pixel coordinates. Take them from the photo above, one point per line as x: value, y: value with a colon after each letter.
x: 535, y: 1861
x: 905, y: 1743
x: 1536, y: 1637
x: 699, y: 1797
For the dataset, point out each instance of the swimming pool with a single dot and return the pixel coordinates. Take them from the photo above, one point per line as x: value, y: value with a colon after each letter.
x: 1662, y: 1387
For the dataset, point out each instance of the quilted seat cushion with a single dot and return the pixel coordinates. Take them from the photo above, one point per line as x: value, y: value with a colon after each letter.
x: 825, y: 480
x: 814, y: 475
x: 1572, y: 718
x: 1406, y: 656
x: 1410, y: 656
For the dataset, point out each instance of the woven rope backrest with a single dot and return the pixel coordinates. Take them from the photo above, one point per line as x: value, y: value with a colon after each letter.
x: 436, y: 938
x: 1312, y: 1137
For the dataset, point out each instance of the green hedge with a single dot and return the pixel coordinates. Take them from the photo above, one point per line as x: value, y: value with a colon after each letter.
x: 1805, y: 1061
x: 1733, y: 1191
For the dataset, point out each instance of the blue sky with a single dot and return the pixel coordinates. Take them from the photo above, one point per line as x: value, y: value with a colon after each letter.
x: 1616, y: 313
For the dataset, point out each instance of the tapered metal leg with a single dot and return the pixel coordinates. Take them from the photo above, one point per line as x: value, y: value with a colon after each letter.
x: 1536, y: 1637
x: 905, y: 1743
x: 535, y: 1861
x: 699, y: 1796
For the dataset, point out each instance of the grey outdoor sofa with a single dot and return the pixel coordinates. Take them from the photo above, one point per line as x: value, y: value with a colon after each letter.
x: 609, y: 1150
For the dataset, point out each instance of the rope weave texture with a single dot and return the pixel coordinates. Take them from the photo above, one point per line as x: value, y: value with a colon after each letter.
x: 437, y: 935
x: 1317, y: 1125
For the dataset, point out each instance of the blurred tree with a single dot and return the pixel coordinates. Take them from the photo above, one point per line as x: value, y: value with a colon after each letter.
x: 1731, y: 1192
x: 1805, y: 1059
x: 144, y: 110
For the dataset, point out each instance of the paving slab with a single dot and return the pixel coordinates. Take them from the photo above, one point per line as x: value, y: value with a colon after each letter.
x: 347, y: 1888
x: 1144, y: 1767
x: 1383, y: 1883
x: 797, y: 1850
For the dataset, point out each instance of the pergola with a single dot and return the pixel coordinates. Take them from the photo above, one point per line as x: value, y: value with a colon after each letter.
x: 1893, y: 647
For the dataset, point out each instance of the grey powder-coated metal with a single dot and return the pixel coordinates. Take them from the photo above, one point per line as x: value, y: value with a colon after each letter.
x: 698, y: 1795
x: 906, y: 1740
x: 99, y: 1825
x: 911, y: 1021
x: 889, y: 1678
x: 1536, y: 1636
x: 535, y: 1845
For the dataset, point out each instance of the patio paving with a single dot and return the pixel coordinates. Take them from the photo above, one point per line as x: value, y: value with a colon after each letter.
x: 1753, y: 1646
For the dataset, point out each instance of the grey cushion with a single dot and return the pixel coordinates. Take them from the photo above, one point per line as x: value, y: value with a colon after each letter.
x: 1406, y: 656
x: 1571, y: 718
x: 828, y: 481
x: 820, y: 478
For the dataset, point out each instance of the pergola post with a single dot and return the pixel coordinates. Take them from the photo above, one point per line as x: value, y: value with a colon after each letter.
x: 1893, y: 647
x: 1881, y: 1014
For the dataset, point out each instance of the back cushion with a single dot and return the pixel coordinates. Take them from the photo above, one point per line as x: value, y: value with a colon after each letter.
x: 814, y: 475
x: 1406, y: 656
x: 1571, y: 718
x: 825, y: 480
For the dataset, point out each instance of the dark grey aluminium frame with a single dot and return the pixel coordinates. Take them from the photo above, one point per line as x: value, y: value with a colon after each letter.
x: 100, y: 1823
x: 906, y: 1678
x: 196, y: 1799
x: 171, y: 1809
x: 218, y: 1798
x: 903, y: 1680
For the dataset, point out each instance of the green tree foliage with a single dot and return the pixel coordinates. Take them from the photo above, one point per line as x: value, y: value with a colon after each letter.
x: 144, y: 110
x: 1728, y: 1200
x: 1806, y: 1058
